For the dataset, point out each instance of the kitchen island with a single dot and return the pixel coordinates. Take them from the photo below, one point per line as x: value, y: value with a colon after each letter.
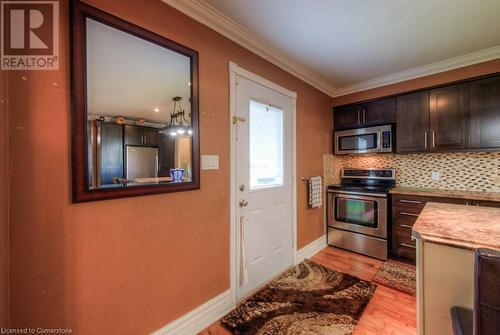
x: 447, y: 236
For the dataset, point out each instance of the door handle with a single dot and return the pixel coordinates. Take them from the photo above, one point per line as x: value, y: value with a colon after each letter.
x: 425, y: 139
x: 243, y: 260
x: 410, y: 201
x: 408, y: 214
x: 433, y: 139
x: 243, y: 203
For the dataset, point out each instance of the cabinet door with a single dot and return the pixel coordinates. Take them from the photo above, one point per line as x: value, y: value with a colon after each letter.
x: 412, y: 119
x: 449, y: 127
x: 379, y: 112
x: 111, y: 152
x: 348, y: 116
x: 150, y: 136
x: 485, y: 113
x: 133, y: 135
x: 167, y: 154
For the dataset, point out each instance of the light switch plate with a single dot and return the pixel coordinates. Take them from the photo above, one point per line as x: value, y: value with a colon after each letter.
x: 435, y: 175
x: 209, y: 162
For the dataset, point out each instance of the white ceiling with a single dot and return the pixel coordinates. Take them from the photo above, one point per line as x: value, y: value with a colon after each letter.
x: 350, y: 42
x: 130, y: 77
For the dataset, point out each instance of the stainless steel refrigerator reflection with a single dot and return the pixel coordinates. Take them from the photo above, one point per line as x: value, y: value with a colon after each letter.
x: 142, y: 162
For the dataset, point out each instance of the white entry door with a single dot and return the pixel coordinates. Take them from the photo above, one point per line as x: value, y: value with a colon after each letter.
x: 264, y: 216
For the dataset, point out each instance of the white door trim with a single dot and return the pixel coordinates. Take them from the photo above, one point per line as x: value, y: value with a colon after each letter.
x: 234, y: 72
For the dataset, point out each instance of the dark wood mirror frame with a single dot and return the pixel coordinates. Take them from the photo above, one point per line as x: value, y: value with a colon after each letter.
x: 81, y: 192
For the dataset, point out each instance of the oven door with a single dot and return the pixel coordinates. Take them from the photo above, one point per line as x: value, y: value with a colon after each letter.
x: 365, y: 214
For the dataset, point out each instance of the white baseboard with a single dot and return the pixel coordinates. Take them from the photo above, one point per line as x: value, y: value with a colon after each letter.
x: 199, y: 318
x: 203, y: 316
x: 311, y: 249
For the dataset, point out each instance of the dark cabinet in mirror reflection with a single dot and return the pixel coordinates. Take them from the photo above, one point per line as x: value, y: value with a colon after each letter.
x: 134, y: 109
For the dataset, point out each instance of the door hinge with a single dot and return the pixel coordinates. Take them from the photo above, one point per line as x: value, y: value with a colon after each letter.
x: 237, y: 119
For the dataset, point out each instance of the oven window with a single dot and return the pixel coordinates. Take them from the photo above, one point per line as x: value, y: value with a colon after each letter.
x: 358, y: 142
x: 356, y: 211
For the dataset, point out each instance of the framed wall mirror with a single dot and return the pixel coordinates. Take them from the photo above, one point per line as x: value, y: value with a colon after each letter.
x: 135, y: 109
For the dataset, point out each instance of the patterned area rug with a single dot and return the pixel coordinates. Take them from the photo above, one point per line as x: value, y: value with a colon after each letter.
x: 399, y: 276
x: 307, y: 299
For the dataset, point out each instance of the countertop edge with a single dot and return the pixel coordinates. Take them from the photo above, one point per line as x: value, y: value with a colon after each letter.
x: 456, y: 194
x: 448, y: 242
x: 434, y: 233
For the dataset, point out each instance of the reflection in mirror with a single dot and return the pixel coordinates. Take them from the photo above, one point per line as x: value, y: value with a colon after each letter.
x: 139, y: 129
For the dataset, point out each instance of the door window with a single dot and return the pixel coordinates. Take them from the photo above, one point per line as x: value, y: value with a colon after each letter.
x: 266, y: 146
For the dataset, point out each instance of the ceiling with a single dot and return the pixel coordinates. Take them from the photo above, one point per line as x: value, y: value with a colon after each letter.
x: 353, y: 43
x: 130, y: 77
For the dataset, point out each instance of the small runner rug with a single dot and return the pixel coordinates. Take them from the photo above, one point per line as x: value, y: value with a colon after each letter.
x: 307, y: 299
x: 399, y: 276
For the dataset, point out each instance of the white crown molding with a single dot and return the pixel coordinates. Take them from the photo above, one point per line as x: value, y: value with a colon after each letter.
x: 202, y: 12
x: 422, y: 71
x: 199, y: 318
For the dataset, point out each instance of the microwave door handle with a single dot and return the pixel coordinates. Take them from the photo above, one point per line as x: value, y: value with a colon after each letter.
x: 379, y: 144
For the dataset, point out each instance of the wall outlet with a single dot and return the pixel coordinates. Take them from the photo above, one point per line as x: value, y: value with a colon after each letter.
x: 435, y: 175
x: 209, y: 162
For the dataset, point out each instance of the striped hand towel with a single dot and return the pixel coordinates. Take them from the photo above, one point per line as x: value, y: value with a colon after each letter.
x: 315, y: 192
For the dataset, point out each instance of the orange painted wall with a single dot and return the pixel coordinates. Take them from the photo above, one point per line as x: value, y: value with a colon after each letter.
x: 420, y: 83
x: 4, y: 201
x: 130, y: 266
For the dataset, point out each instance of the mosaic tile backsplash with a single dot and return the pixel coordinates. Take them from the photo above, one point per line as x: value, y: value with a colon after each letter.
x: 468, y: 171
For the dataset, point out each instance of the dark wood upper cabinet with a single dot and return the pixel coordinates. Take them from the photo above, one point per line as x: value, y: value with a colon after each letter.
x: 412, y: 126
x: 367, y: 114
x: 379, y: 112
x: 348, y: 116
x: 138, y: 135
x: 449, y: 117
x: 110, y: 152
x: 485, y: 113
x: 133, y: 135
x: 150, y: 136
x: 456, y: 117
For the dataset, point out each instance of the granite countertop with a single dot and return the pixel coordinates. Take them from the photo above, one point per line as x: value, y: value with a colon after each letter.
x: 467, y: 227
x: 433, y: 192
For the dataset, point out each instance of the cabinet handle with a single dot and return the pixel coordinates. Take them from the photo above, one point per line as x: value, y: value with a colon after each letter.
x: 408, y: 214
x: 410, y: 201
x: 359, y: 116
x: 433, y: 139
x: 405, y: 226
x: 364, y: 116
x: 425, y: 139
x: 407, y: 245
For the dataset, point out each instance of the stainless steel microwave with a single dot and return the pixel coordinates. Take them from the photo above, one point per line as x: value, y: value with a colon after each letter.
x: 364, y: 140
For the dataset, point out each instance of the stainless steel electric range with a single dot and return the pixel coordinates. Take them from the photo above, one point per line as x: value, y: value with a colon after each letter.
x: 358, y: 211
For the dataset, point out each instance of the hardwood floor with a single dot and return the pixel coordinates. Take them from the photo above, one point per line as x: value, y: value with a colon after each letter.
x: 389, y: 312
